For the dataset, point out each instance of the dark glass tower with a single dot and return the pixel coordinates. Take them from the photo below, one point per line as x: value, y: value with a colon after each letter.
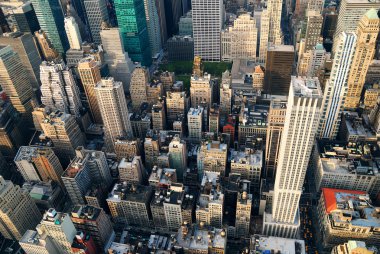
x: 130, y: 16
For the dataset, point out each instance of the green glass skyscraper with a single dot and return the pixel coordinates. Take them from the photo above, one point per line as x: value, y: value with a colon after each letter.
x: 50, y: 16
x: 130, y: 16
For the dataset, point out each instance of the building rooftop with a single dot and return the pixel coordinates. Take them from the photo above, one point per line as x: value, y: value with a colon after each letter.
x: 306, y: 87
x: 51, y: 216
x: 130, y: 192
x: 75, y: 167
x: 162, y: 177
x: 249, y: 156
x: 195, y: 111
x: 271, y: 244
x: 85, y: 212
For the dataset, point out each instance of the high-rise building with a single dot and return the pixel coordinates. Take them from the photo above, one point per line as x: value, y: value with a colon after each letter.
x: 18, y: 212
x: 194, y: 123
x: 50, y: 16
x: 47, y: 50
x: 185, y: 24
x: 25, y: 46
x: 278, y: 69
x: 153, y: 26
x: 159, y: 116
x: 180, y: 48
x: 119, y: 64
x: 131, y: 170
x: 73, y: 34
x: 97, y: 13
x: 178, y: 156
x: 201, y: 90
x: 15, y: 83
x: 95, y: 221
x: 225, y: 94
x: 4, y: 26
x: 153, y: 92
x: 335, y: 90
x: 276, y: 121
x: 151, y: 149
x: 34, y: 243
x: 59, y: 89
x: 207, y: 25
x: 65, y: 134
x: 367, y: 33
x: 313, y: 30
x: 240, y: 40
x: 301, y: 122
x: 213, y: 119
x: 89, y: 72
x: 114, y: 110
x: 127, y: 148
x: 133, y: 29
x: 274, y: 8
x: 316, y: 5
x: 212, y: 157
x: 139, y: 81
x: 264, y: 35
x: 243, y: 214
x: 160, y: 5
x: 176, y: 105
x: 59, y: 227
x: 248, y: 164
x: 38, y: 164
x: 25, y: 18
x: 313, y: 61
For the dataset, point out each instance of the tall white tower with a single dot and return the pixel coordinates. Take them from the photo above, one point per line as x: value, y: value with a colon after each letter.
x: 274, y: 13
x: 73, y: 34
x: 114, y: 110
x: 264, y: 33
x: 207, y: 24
x: 301, y: 121
x: 336, y: 87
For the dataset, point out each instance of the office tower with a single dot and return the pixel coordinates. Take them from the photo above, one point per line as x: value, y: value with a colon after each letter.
x: 97, y: 13
x: 153, y: 26
x: 25, y: 18
x: 185, y: 24
x: 316, y: 5
x: 194, y: 123
x: 140, y: 124
x: 127, y: 148
x: 64, y: 132
x: 119, y: 64
x: 304, y: 102
x: 207, y: 25
x: 330, y: 20
x: 240, y: 40
x: 73, y: 34
x: 167, y: 79
x: 130, y: 204
x: 248, y: 164
x: 276, y: 121
x: 274, y: 8
x: 201, y: 89
x: 212, y: 157
x: 350, y: 13
x: 367, y: 33
x: 313, y: 30
x: 176, y: 105
x: 313, y: 61
x: 38, y: 164
x: 25, y: 46
x: 139, y: 80
x: 180, y: 48
x: 278, y: 69
x: 131, y: 170
x: 15, y: 83
x: 243, y: 214
x: 264, y: 34
x: 178, y: 156
x: 47, y: 50
x: 18, y: 212
x: 213, y: 119
x: 173, y: 12
x: 34, y: 243
x: 225, y: 94
x: 50, y: 16
x: 336, y: 87
x: 159, y: 116
x: 173, y: 208
x: 114, y: 110
x: 95, y: 221
x: 160, y: 6
x: 133, y: 29
x: 153, y: 92
x: 59, y: 89
x: 59, y: 227
x: 210, y: 205
x: 89, y: 72
x: 151, y: 149
x: 4, y: 27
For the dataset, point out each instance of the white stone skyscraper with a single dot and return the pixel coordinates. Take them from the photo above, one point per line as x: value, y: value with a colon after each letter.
x: 336, y: 87
x: 301, y: 122
x: 264, y: 31
x: 97, y: 13
x: 207, y: 25
x: 59, y: 89
x: 274, y: 13
x: 114, y: 110
x: 73, y: 34
x: 153, y: 25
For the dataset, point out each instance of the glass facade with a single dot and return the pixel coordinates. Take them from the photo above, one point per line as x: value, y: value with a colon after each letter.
x: 132, y: 25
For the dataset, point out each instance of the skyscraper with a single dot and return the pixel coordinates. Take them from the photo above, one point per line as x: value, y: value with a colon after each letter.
x: 140, y: 78
x: 89, y: 73
x: 153, y: 26
x: 225, y: 94
x: 313, y: 29
x: 264, y: 33
x: 274, y: 14
x: 335, y: 90
x: 194, y: 121
x: 243, y: 214
x: 367, y: 33
x: 131, y: 170
x: 114, y: 110
x: 178, y: 156
x: 207, y: 25
x: 50, y: 16
x: 97, y: 13
x: 133, y: 29
x: 15, y: 83
x: 18, y: 212
x: 73, y: 34
x: 201, y: 90
x: 301, y: 121
x: 25, y: 18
